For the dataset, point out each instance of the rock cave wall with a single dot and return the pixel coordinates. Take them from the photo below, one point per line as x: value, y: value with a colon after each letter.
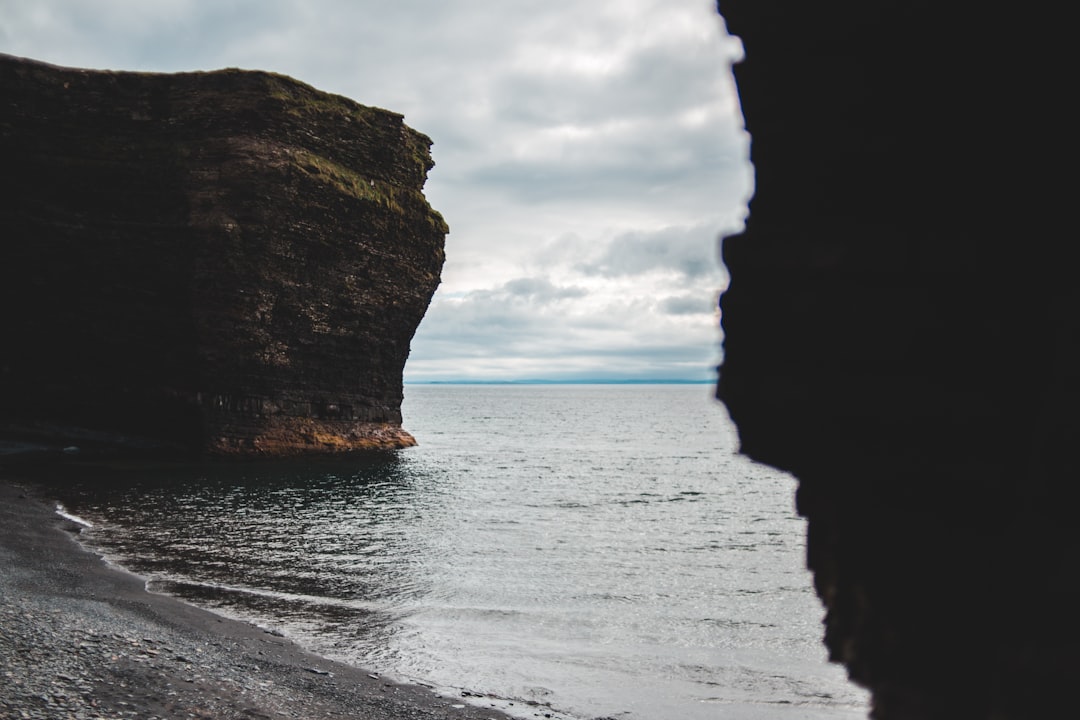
x: 227, y: 262
x: 901, y: 333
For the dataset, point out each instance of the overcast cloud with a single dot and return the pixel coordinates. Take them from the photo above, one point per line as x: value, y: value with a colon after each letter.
x: 588, y: 155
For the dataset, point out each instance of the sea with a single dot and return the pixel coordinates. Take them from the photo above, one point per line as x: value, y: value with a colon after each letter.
x: 567, y: 551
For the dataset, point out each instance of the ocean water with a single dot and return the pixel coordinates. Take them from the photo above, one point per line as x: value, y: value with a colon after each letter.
x: 581, y: 551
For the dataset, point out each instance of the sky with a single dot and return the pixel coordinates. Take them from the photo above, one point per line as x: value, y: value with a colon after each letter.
x: 589, y: 155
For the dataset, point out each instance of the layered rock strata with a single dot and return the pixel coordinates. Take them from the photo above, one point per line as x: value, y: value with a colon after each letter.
x: 901, y: 333
x: 230, y: 262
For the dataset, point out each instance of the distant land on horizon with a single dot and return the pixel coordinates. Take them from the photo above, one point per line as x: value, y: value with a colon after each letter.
x: 587, y: 381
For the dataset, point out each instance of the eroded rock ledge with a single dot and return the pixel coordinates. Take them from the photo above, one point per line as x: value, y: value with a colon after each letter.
x: 229, y: 262
x: 902, y: 334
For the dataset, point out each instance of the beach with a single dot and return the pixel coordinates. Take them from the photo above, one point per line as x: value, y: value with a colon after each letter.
x: 82, y: 639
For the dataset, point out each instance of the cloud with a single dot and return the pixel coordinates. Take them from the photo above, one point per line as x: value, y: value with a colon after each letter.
x: 532, y: 328
x: 698, y: 304
x: 689, y: 252
x: 541, y: 290
x: 588, y: 155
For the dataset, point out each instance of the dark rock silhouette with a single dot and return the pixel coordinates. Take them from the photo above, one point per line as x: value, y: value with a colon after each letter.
x: 901, y: 333
x: 229, y: 262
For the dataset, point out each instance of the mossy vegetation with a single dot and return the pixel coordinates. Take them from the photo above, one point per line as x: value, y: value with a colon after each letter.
x: 305, y: 102
x: 437, y: 222
x: 386, y: 195
x: 350, y: 182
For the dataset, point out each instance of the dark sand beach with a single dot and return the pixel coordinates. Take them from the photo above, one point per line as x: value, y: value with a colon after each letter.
x: 82, y: 639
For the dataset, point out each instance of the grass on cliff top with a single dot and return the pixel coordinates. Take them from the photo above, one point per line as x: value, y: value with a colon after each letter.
x: 349, y: 182
x: 302, y: 100
x: 301, y: 96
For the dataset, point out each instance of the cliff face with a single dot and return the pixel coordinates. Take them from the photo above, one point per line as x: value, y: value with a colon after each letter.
x: 901, y: 333
x: 230, y: 261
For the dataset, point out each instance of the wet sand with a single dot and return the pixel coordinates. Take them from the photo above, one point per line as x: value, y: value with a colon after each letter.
x: 82, y: 639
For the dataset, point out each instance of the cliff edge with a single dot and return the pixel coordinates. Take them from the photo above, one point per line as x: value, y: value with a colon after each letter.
x: 226, y: 262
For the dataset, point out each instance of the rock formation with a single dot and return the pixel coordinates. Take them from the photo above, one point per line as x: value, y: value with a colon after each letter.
x: 230, y: 262
x: 901, y: 333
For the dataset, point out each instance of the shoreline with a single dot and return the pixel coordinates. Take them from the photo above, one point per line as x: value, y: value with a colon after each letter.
x: 82, y: 638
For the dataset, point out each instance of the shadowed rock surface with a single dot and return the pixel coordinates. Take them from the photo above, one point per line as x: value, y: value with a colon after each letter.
x: 901, y: 333
x: 229, y: 262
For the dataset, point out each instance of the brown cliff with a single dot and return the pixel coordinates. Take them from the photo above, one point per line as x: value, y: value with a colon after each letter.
x: 901, y: 333
x: 230, y: 262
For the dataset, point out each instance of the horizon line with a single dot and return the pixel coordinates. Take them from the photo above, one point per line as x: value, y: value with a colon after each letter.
x: 583, y: 381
